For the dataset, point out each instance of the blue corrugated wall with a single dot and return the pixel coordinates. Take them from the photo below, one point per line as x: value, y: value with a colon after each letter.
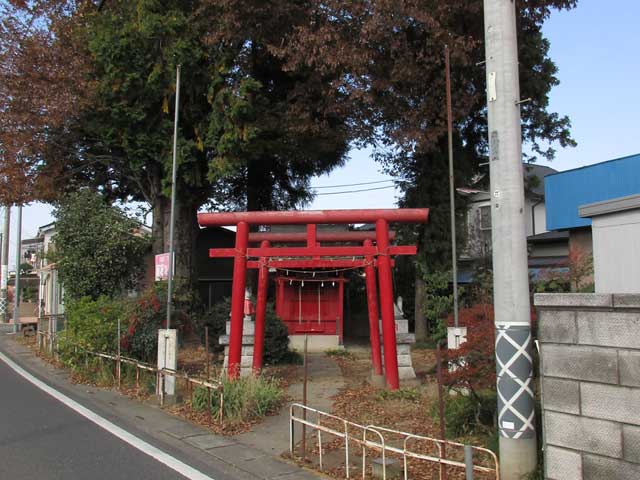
x: 566, y: 191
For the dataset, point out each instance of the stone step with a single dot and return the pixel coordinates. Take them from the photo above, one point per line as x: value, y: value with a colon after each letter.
x: 246, y: 340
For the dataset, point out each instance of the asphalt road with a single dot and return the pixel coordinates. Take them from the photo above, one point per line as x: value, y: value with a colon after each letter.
x: 41, y: 438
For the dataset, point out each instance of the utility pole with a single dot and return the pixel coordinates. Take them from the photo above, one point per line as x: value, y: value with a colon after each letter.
x: 452, y: 192
x: 4, y: 267
x: 16, y: 292
x: 514, y: 365
x: 167, y: 338
x: 172, y: 217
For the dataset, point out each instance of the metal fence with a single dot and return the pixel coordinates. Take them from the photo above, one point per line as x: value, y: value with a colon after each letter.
x: 47, y: 338
x: 371, y: 438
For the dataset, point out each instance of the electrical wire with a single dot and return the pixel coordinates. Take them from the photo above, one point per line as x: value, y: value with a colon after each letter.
x: 352, y: 184
x: 355, y: 191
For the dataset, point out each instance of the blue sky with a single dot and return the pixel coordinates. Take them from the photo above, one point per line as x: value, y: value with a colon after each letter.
x: 595, y: 47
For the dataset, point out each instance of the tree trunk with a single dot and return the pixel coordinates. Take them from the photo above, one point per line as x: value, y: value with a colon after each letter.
x: 185, y: 237
x: 421, y: 325
x: 185, y: 240
x: 160, y: 234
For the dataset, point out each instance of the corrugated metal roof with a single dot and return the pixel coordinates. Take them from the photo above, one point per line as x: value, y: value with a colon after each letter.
x: 566, y: 191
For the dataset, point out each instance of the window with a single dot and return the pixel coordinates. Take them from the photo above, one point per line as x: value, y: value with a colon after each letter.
x: 485, y: 217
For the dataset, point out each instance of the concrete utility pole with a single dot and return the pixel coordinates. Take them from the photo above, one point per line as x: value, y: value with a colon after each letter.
x: 510, y: 273
x: 16, y: 293
x: 4, y: 268
x: 172, y: 218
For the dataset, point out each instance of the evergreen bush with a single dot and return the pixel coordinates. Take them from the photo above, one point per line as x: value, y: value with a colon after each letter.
x: 276, y: 335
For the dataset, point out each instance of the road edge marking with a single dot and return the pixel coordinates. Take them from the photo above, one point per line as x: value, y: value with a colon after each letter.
x: 136, y: 442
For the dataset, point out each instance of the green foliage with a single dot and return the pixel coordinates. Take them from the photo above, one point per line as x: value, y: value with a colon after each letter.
x: 552, y: 284
x: 245, y: 399
x: 29, y: 293
x: 438, y: 301
x: 95, y: 247
x: 276, y: 335
x: 339, y: 353
x: 25, y: 268
x: 482, y: 287
x: 276, y: 340
x: 91, y: 325
x: 469, y: 414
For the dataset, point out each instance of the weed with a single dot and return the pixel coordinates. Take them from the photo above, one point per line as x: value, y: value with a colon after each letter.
x: 245, y: 399
x: 339, y: 353
x: 405, y: 394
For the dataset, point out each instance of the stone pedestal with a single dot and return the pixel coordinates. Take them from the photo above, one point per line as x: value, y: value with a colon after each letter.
x: 246, y: 357
x: 167, y: 358
x: 404, y: 339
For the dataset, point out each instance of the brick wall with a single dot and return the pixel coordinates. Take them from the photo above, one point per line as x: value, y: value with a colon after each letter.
x: 590, y: 381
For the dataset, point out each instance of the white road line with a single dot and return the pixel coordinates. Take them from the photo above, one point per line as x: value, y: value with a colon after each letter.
x: 164, y: 458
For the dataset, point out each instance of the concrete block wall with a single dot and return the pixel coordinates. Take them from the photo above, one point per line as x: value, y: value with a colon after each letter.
x: 590, y: 384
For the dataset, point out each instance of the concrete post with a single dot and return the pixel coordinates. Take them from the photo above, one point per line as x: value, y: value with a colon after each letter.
x: 4, y: 269
x: 510, y: 273
x: 16, y: 294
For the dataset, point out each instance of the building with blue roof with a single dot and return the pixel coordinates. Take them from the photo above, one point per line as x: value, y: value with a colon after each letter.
x: 566, y: 192
x: 569, y: 191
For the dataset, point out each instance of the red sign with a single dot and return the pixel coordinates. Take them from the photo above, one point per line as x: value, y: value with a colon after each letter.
x: 162, y: 266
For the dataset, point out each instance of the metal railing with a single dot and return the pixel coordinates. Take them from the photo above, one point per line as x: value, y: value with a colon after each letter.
x: 372, y: 438
x: 50, y: 340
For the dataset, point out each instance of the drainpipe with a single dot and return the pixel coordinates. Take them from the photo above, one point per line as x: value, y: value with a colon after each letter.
x: 533, y: 215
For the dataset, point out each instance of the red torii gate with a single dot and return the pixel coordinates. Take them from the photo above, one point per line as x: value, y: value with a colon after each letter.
x: 313, y: 254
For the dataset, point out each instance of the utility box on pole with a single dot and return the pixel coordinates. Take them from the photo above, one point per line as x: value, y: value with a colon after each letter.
x: 518, y: 452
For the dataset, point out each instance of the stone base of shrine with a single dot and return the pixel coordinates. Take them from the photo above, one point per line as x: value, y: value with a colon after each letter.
x: 404, y: 339
x: 246, y: 355
x: 315, y: 343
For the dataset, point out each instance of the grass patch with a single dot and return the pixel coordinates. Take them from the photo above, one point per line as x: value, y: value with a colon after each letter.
x: 404, y: 394
x: 245, y: 399
x: 428, y: 344
x: 339, y: 353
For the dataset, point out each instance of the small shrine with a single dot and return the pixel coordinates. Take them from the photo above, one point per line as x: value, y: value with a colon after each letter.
x: 310, y: 282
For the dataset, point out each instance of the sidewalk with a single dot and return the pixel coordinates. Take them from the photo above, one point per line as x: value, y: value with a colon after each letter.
x: 243, y: 457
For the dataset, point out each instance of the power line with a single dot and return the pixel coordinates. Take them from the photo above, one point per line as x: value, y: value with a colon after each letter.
x: 352, y: 184
x: 356, y: 191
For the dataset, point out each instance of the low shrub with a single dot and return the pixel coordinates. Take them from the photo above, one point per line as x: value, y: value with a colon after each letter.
x: 469, y: 414
x: 245, y: 399
x: 276, y: 335
x: 145, y: 316
x: 404, y: 394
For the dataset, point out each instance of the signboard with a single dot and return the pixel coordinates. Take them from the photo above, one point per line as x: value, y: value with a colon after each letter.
x: 162, y: 266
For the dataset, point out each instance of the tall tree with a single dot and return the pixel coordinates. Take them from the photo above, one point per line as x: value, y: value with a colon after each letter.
x: 41, y: 85
x: 251, y: 134
x: 389, y: 58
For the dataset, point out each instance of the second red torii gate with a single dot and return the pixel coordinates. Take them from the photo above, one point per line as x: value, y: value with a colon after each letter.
x: 315, y: 256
